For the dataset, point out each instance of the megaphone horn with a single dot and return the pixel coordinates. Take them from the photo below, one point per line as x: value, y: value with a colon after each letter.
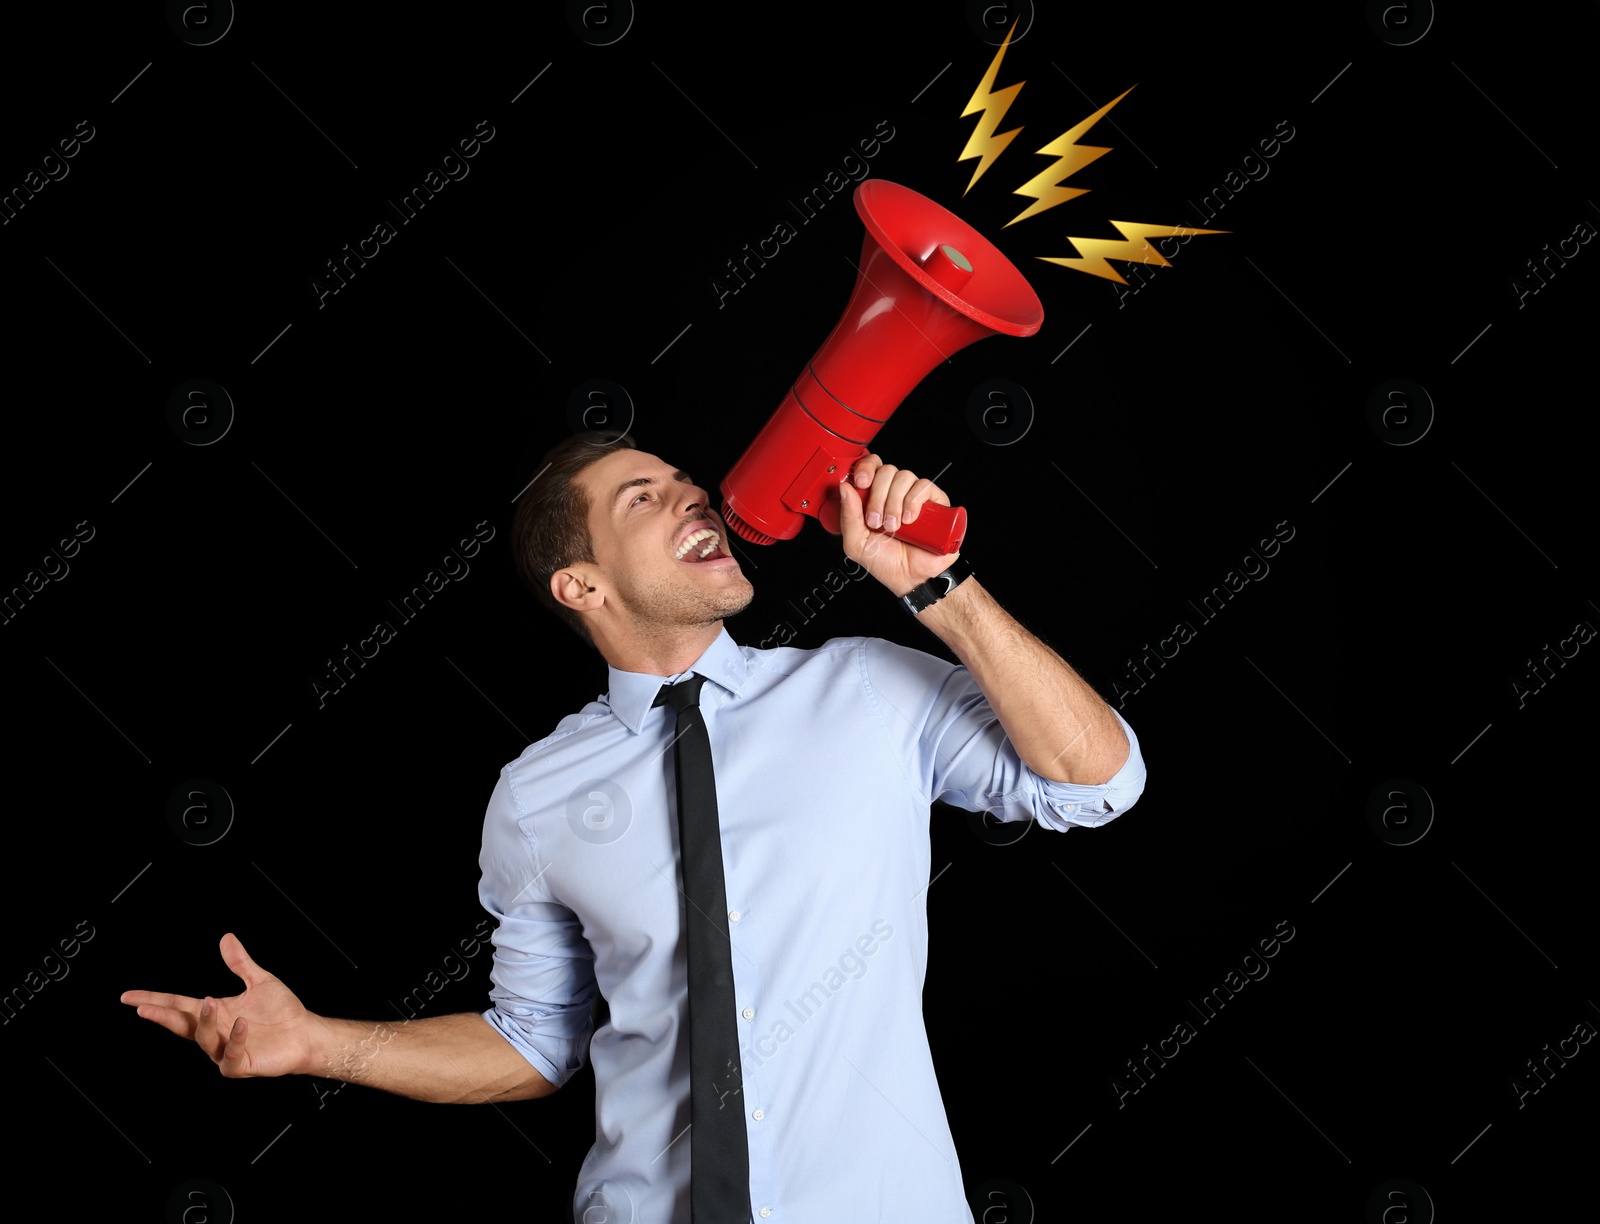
x: 928, y: 285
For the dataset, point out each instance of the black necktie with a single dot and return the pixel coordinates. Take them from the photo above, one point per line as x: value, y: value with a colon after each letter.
x: 719, y: 1155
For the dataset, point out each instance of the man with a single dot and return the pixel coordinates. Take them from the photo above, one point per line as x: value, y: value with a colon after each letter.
x: 826, y: 764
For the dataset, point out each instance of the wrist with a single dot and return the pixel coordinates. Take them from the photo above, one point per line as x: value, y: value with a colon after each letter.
x: 928, y: 594
x: 324, y: 1038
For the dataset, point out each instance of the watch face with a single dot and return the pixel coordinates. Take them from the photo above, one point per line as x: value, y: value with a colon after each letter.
x: 935, y: 589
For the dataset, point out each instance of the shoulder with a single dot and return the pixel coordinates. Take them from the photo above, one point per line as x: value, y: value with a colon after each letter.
x: 575, y: 737
x: 869, y: 660
x: 840, y: 657
x: 786, y: 660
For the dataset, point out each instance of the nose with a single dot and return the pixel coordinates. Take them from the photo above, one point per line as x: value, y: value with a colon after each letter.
x: 693, y: 496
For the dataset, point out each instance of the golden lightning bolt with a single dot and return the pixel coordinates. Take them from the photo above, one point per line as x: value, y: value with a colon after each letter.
x: 1095, y: 251
x: 983, y: 143
x: 1070, y: 157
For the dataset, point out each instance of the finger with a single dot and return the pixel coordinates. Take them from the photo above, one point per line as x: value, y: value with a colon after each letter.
x: 894, y: 502
x: 850, y: 512
x: 139, y: 998
x: 235, y: 1062
x: 916, y: 497
x: 174, y: 1020
x: 205, y: 1033
x: 882, y: 479
x: 237, y: 959
x: 864, y: 469
x: 860, y: 541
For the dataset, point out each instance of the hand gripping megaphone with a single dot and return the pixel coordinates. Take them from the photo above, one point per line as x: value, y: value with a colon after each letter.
x: 928, y: 285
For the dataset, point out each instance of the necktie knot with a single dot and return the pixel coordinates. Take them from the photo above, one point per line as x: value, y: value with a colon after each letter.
x: 682, y: 695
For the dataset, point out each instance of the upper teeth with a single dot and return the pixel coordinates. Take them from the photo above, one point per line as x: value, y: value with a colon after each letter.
x: 696, y: 537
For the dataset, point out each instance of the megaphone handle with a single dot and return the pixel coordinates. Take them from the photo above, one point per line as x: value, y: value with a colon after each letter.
x: 938, y: 529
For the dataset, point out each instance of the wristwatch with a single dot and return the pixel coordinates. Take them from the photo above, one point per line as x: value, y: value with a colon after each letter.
x: 936, y: 588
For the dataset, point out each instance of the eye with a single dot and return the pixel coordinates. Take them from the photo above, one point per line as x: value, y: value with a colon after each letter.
x: 638, y: 499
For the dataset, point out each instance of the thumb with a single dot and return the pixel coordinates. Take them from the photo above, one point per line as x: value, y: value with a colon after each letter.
x: 237, y: 959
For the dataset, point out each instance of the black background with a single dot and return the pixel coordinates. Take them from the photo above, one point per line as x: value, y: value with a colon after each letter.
x: 1185, y: 422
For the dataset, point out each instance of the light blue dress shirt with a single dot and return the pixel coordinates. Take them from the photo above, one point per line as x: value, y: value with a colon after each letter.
x: 827, y: 761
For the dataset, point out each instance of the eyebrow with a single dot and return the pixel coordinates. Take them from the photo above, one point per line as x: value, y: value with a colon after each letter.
x: 643, y: 481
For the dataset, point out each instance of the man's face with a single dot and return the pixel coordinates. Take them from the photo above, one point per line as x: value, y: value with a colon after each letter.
x: 642, y: 512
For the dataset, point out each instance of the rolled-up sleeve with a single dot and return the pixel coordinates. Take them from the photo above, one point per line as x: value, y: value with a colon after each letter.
x: 957, y: 752
x: 1060, y: 805
x: 542, y: 978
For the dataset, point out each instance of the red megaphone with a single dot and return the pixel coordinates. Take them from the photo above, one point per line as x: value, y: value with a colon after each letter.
x: 928, y: 286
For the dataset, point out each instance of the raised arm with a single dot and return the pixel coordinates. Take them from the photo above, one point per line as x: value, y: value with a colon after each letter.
x: 1061, y: 727
x: 267, y: 1031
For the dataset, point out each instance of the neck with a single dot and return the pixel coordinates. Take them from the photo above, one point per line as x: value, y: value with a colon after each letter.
x: 663, y: 653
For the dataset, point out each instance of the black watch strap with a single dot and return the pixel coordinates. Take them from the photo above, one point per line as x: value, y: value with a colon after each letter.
x: 936, y: 588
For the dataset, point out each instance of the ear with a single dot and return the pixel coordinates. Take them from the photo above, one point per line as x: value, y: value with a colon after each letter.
x: 571, y: 588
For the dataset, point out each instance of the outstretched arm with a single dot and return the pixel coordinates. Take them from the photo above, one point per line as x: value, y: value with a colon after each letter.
x: 267, y: 1031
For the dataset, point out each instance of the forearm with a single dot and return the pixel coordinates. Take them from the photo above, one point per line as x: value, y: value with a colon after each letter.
x: 1058, y: 724
x: 457, y: 1059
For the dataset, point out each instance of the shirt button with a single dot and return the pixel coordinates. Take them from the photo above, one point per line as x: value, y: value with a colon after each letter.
x: 749, y: 1013
x: 765, y: 1212
x: 1071, y: 807
x: 734, y: 915
x: 759, y: 1114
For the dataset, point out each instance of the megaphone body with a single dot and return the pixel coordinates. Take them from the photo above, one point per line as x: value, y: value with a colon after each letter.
x: 928, y: 285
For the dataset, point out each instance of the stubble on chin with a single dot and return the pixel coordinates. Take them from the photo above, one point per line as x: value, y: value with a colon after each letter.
x: 668, y: 603
x: 734, y: 600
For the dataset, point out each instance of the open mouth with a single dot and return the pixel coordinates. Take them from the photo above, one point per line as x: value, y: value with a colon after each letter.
x: 701, y: 546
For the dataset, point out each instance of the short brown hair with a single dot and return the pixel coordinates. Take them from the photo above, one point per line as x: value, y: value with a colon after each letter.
x: 550, y: 527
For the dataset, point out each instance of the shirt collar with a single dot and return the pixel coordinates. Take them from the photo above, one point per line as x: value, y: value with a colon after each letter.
x: 631, y: 694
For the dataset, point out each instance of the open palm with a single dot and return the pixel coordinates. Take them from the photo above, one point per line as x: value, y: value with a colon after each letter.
x: 266, y: 1030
